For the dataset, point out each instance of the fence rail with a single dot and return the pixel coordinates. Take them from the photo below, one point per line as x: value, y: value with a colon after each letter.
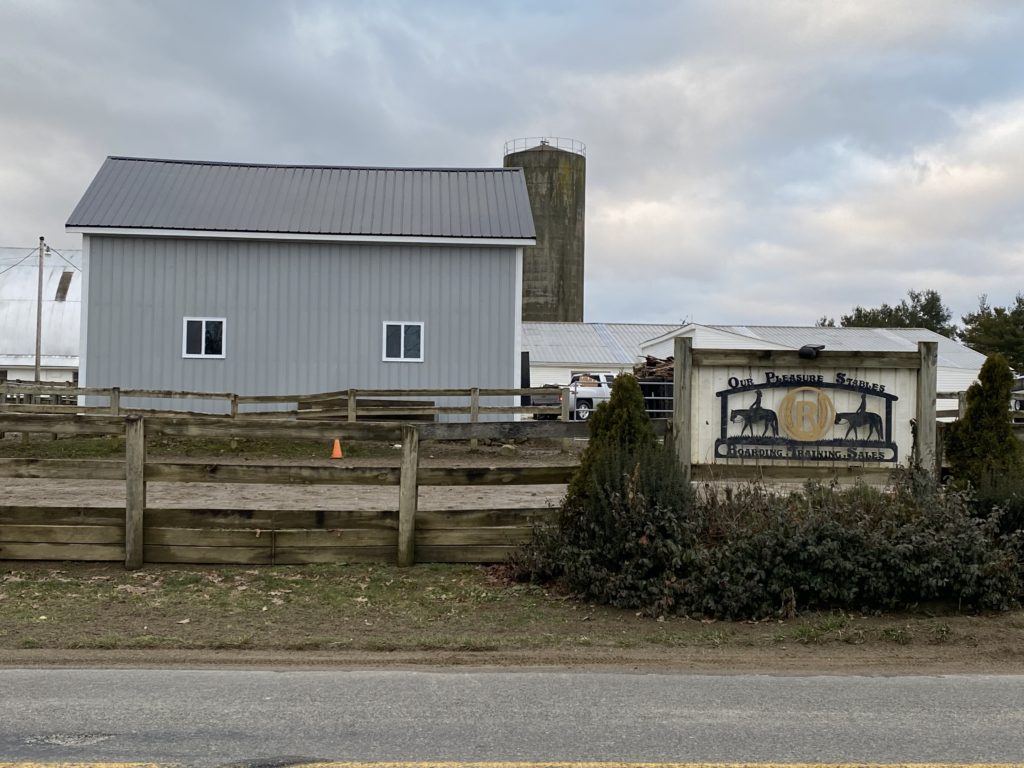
x: 138, y: 534
x: 346, y: 404
x: 1016, y: 410
x: 29, y: 397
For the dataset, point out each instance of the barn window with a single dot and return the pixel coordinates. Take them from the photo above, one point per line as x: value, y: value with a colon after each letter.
x: 403, y: 341
x: 203, y: 337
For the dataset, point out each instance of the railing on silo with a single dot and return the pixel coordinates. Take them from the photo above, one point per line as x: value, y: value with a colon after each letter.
x: 558, y: 142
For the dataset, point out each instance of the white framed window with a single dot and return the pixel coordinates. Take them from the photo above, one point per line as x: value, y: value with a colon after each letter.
x: 403, y: 342
x: 203, y: 337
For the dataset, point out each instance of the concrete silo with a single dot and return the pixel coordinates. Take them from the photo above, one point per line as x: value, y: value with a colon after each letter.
x: 556, y: 173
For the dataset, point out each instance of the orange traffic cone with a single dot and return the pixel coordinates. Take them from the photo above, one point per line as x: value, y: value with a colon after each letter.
x: 337, y: 452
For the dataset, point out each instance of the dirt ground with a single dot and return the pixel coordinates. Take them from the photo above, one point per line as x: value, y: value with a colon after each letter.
x: 800, y: 660
x: 98, y: 493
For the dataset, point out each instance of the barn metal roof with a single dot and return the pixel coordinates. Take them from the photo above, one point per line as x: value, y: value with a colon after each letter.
x: 587, y: 344
x: 952, y: 354
x: 141, y: 193
x: 18, y: 309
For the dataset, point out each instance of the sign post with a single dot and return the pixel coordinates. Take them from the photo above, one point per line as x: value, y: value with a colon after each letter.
x: 682, y: 368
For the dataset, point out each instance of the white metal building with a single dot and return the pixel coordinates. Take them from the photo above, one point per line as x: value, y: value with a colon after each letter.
x: 62, y: 301
x: 558, y: 350
x: 957, y: 369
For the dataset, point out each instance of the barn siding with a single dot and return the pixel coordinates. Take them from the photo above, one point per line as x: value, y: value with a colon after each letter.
x: 301, y: 317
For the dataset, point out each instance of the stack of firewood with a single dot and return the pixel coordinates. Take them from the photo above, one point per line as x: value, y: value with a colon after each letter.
x: 654, y: 369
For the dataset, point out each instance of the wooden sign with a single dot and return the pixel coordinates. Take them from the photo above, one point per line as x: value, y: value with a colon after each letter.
x: 804, y: 416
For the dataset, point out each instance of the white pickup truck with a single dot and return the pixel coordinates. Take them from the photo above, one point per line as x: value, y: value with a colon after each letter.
x: 587, y: 391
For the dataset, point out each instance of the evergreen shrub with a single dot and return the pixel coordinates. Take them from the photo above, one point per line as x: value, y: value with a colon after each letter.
x: 981, y: 447
x: 859, y: 549
x: 631, y: 533
x: 622, y: 533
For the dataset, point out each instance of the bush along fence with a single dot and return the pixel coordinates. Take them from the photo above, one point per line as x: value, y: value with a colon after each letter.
x: 632, y: 533
x: 139, y: 533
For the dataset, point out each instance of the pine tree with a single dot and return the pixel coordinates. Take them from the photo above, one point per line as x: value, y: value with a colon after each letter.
x: 624, y: 532
x: 621, y: 423
x: 981, y: 447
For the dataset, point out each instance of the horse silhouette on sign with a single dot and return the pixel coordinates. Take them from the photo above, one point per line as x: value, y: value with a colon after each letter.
x: 859, y: 419
x: 755, y: 414
x: 862, y: 417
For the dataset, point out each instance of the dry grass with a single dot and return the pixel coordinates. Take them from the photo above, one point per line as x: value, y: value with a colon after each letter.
x: 383, y: 608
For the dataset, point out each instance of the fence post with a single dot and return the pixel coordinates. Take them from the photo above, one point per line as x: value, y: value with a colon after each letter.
x: 3, y: 402
x: 27, y: 399
x: 26, y: 437
x: 351, y: 405
x: 408, y: 495
x: 564, y: 417
x: 961, y: 404
x: 682, y: 368
x: 940, y: 446
x: 928, y: 352
x: 234, y: 406
x: 474, y: 413
x: 115, y: 401
x: 135, y: 490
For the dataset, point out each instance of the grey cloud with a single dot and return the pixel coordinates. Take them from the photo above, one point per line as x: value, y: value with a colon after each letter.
x: 756, y: 162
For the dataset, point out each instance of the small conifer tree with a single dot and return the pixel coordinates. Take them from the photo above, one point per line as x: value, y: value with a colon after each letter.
x: 619, y: 423
x: 622, y: 535
x: 981, y: 447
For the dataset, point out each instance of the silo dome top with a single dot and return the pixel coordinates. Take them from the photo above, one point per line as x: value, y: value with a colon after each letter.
x: 545, y: 142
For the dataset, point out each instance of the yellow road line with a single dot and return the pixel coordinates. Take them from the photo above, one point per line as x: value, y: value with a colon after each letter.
x: 541, y: 764
x: 553, y: 764
x: 471, y: 764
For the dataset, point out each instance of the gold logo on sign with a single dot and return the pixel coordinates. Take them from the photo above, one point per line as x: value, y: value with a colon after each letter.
x: 806, y: 413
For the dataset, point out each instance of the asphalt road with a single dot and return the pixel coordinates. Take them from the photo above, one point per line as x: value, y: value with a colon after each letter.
x: 214, y: 717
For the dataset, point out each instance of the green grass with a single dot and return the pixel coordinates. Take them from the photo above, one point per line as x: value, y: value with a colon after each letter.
x: 827, y: 628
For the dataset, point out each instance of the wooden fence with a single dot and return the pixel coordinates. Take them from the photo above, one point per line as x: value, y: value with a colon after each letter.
x: 1016, y: 413
x: 347, y: 404
x: 139, y: 534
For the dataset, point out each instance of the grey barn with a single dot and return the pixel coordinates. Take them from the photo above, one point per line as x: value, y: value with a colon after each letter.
x: 271, y: 279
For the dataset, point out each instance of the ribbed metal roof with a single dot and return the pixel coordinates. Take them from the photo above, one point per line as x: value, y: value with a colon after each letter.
x: 141, y: 193
x: 587, y: 344
x: 952, y: 354
x: 18, y: 286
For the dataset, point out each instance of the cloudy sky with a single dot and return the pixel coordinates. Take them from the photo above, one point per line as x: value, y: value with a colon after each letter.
x: 749, y: 161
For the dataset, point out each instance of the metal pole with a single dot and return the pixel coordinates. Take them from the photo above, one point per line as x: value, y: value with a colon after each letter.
x: 39, y: 311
